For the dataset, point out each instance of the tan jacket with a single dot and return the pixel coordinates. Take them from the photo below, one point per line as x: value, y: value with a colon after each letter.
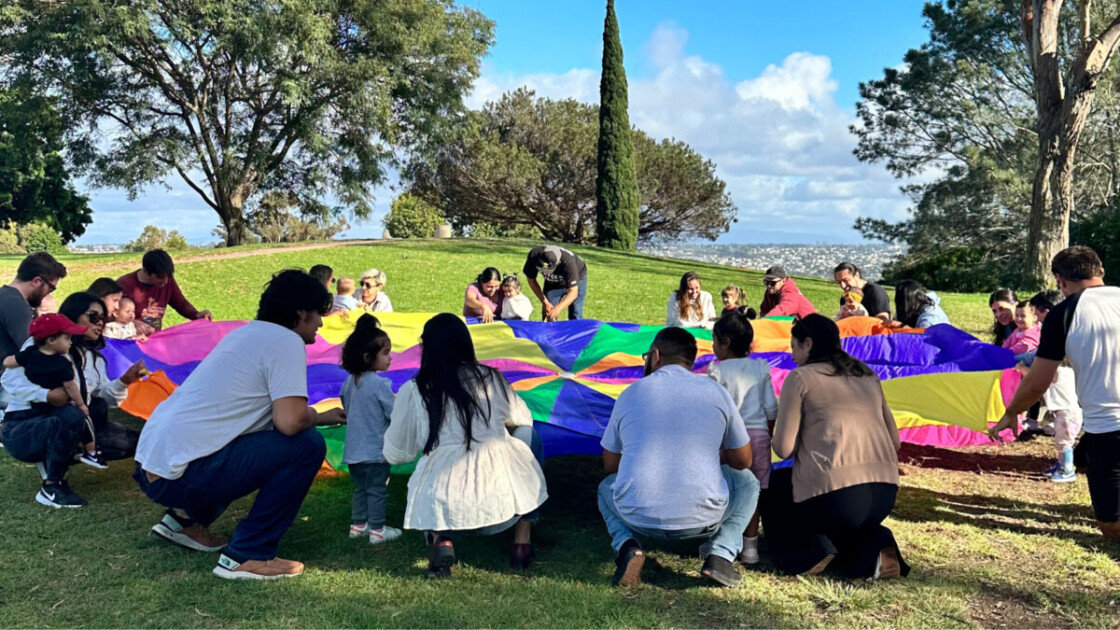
x: 838, y: 429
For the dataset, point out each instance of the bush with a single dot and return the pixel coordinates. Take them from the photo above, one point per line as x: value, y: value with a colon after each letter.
x: 153, y: 237
x: 40, y: 237
x: 412, y: 217
x: 9, y: 242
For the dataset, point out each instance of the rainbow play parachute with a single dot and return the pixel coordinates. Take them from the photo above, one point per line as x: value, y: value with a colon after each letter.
x: 944, y: 385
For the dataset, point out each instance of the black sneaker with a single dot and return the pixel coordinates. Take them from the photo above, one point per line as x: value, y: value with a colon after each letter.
x: 628, y: 564
x: 93, y: 460
x: 721, y: 571
x: 59, y: 495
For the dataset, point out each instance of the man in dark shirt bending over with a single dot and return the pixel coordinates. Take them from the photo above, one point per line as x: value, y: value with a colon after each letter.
x: 565, y: 281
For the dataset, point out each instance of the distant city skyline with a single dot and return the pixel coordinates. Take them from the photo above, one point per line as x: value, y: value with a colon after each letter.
x: 764, y: 91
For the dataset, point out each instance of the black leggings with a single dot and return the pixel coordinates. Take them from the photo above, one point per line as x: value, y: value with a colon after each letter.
x: 846, y: 523
x: 1102, y: 457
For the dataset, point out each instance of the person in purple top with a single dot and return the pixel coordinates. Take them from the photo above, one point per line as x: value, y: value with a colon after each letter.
x: 484, y: 296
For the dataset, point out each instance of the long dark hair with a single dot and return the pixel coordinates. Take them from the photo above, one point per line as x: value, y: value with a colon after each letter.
x: 489, y: 274
x: 450, y: 375
x: 367, y: 339
x: 74, y: 306
x: 683, y: 305
x: 910, y: 300
x: 827, y: 347
x: 735, y: 328
x: 999, y: 331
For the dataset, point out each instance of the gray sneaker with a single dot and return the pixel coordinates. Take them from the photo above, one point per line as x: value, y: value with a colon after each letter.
x: 194, y: 536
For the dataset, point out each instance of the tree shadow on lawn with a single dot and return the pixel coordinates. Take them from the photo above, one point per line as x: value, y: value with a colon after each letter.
x: 973, y: 460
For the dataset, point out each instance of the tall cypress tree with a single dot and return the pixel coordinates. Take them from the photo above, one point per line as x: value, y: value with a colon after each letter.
x: 616, y: 186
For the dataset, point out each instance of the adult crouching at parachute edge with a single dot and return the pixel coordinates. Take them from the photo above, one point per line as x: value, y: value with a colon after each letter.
x: 240, y: 423
x: 565, y: 281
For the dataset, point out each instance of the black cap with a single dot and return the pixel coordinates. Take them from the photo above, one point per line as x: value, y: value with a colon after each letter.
x: 775, y: 273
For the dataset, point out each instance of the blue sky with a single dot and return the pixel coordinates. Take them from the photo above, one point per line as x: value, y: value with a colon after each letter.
x: 765, y: 89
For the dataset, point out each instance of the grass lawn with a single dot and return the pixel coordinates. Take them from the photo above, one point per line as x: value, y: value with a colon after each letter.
x: 991, y: 543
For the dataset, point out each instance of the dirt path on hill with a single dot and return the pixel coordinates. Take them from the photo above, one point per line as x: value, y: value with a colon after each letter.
x: 228, y: 255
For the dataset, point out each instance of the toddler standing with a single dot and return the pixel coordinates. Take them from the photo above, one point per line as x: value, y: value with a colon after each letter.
x: 368, y: 401
x: 1061, y: 402
x: 516, y: 305
x: 123, y: 325
x: 748, y: 382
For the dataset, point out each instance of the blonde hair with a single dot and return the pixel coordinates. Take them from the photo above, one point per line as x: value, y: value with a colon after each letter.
x: 376, y: 275
x: 345, y: 286
x: 738, y: 291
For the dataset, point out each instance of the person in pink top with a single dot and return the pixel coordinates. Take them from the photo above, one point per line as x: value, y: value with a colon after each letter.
x: 484, y: 296
x: 1027, y: 331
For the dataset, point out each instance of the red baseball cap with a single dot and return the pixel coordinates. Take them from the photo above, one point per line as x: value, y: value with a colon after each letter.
x: 52, y: 324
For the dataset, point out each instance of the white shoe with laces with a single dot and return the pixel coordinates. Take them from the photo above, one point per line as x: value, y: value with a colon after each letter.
x: 384, y: 534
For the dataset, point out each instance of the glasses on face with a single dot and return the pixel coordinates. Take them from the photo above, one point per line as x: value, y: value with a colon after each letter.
x: 94, y: 317
x: 370, y: 285
x: 52, y: 285
x: 647, y: 355
x: 771, y: 283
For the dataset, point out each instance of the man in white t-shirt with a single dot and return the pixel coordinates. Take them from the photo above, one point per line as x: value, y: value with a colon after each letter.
x: 1085, y: 328
x: 239, y: 424
x: 662, y: 450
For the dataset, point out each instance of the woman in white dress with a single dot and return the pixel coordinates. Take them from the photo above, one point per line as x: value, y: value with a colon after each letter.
x: 689, y: 307
x: 479, y: 469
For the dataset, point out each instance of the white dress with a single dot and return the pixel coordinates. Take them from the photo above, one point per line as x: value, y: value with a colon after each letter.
x: 705, y: 320
x: 458, y: 489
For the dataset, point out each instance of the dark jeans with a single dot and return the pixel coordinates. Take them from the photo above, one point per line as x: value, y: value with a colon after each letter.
x: 575, y: 309
x: 280, y: 466
x: 371, y: 493
x: 51, y: 439
x: 115, y: 440
x: 1102, y: 456
x: 845, y: 522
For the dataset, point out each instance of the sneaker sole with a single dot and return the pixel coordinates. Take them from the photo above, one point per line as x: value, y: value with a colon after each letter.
x: 1063, y: 479
x: 226, y: 574
x: 186, y: 542
x: 39, y: 498
x: 749, y: 559
x: 632, y: 576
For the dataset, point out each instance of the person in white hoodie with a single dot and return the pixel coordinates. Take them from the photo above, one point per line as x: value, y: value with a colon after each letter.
x: 689, y: 307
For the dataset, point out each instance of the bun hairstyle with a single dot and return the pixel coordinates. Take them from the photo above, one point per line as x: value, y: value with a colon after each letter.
x: 367, y: 339
x: 512, y: 281
x: 747, y: 311
x: 735, y: 329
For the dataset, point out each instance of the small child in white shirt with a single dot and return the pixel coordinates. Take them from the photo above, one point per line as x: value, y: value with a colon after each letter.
x: 1061, y: 401
x: 123, y: 325
x: 516, y: 305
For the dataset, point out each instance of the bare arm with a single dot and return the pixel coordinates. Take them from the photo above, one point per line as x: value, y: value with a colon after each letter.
x: 290, y: 415
x: 10, y: 362
x: 739, y: 458
x: 788, y: 424
x: 75, y: 395
x: 536, y: 287
x: 1034, y: 385
x: 611, y: 461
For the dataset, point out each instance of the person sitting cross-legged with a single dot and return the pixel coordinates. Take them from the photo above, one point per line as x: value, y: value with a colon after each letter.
x: 240, y: 424
x: 662, y: 449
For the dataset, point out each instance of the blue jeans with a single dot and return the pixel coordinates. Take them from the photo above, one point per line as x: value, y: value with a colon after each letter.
x: 575, y: 309
x: 726, y: 536
x: 529, y: 436
x: 371, y: 493
x: 280, y: 466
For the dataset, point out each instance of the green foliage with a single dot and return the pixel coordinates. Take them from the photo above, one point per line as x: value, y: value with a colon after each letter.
x: 34, y: 183
x: 1101, y: 231
x: 957, y: 269
x: 526, y: 166
x: 9, y: 242
x: 40, y: 237
x: 152, y: 237
x: 412, y: 217
x: 244, y: 97
x: 283, y: 217
x: 616, y: 183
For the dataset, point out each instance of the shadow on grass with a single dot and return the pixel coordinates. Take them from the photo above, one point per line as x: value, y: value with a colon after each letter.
x: 972, y: 460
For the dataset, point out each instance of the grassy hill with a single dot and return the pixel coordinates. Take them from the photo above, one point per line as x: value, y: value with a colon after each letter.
x: 991, y: 543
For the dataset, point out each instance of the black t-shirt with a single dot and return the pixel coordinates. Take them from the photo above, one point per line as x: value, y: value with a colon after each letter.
x: 567, y: 273
x: 875, y: 299
x: 45, y: 370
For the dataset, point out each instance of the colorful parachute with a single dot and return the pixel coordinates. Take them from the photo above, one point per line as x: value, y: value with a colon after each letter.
x: 943, y: 384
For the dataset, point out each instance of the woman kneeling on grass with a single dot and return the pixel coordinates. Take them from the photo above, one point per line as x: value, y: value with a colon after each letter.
x: 479, y: 470
x: 834, y: 421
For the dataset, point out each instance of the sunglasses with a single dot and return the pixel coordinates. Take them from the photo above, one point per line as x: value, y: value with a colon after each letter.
x: 52, y: 285
x: 94, y: 317
x: 771, y: 283
x: 369, y: 285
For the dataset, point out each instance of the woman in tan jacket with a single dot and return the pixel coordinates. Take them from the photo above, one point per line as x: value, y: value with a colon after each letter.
x: 834, y: 421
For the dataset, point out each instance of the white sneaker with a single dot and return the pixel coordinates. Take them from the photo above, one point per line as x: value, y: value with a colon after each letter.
x: 384, y: 534
x: 359, y: 531
x: 749, y: 554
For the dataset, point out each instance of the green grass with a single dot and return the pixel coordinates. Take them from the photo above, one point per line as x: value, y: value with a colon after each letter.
x: 990, y: 543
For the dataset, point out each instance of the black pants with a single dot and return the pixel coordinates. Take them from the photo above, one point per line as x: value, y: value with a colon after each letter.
x: 847, y: 523
x: 115, y: 440
x: 1102, y: 457
x: 51, y: 438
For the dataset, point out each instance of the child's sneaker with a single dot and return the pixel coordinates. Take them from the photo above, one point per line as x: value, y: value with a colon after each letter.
x: 1064, y: 476
x: 360, y: 530
x: 1055, y: 467
x: 383, y: 534
x: 749, y: 554
x: 93, y: 460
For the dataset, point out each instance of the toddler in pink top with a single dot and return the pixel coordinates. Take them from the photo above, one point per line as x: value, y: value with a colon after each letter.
x: 1027, y: 331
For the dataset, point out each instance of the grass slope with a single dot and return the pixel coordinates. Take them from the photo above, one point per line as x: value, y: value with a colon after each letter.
x: 991, y: 543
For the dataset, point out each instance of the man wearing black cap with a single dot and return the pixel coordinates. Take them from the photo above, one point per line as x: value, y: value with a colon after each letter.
x: 565, y: 281
x: 782, y: 296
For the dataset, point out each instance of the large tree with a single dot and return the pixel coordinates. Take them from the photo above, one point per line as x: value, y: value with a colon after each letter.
x: 314, y: 98
x: 1063, y: 100
x: 616, y: 181
x: 527, y: 161
x: 34, y: 183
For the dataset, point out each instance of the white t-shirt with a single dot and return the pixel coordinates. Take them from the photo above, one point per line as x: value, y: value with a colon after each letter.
x: 228, y: 395
x: 1062, y: 393
x: 517, y: 307
x: 704, y: 319
x: 748, y: 382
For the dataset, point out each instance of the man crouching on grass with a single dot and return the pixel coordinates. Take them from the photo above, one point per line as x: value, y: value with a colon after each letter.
x: 240, y: 423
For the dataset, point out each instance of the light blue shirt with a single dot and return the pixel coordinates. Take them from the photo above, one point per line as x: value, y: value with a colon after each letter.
x: 368, y: 404
x: 933, y: 314
x: 670, y: 428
